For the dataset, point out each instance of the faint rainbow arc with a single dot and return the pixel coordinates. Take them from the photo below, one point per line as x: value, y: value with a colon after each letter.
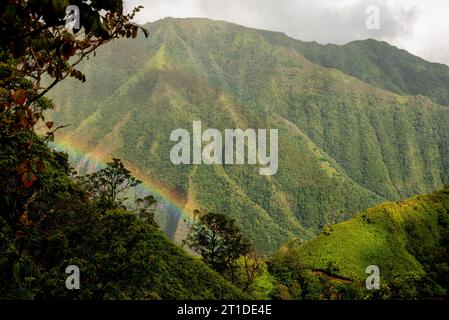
x: 148, y: 184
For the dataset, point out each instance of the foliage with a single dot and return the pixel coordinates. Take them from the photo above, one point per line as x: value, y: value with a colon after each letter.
x: 406, y: 239
x: 377, y: 63
x: 34, y: 44
x: 121, y: 254
x: 223, y: 247
x: 48, y: 220
x: 251, y: 271
x: 345, y: 145
x: 145, y: 209
x: 219, y: 242
x: 35, y: 40
x: 108, y: 183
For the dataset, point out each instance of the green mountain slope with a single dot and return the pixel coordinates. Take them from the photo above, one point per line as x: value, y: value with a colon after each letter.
x: 344, y: 145
x: 407, y: 240
x: 119, y: 254
x: 377, y: 63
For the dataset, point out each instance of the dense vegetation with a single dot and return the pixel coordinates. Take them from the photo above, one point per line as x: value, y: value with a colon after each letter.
x: 345, y: 145
x: 377, y: 63
x: 224, y: 247
x: 49, y: 218
x: 120, y: 255
x: 407, y: 240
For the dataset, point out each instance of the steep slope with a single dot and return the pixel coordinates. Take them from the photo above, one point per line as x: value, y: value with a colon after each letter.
x: 377, y: 63
x: 120, y: 255
x: 407, y: 240
x: 344, y: 145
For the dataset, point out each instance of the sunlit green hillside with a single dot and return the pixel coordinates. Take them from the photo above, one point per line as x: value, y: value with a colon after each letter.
x: 407, y: 240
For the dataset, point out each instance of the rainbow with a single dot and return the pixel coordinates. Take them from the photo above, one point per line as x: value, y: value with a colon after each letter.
x: 149, y: 185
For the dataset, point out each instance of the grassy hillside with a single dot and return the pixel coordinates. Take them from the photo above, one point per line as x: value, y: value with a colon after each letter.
x: 344, y: 145
x: 407, y: 240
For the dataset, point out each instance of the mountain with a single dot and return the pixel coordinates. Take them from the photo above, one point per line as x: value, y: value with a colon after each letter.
x: 407, y: 240
x: 119, y: 254
x: 344, y: 144
x: 377, y: 63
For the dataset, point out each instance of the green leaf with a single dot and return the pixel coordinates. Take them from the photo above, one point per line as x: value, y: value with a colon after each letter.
x: 16, y: 272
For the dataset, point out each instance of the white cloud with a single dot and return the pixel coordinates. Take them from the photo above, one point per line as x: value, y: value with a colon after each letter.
x: 421, y: 27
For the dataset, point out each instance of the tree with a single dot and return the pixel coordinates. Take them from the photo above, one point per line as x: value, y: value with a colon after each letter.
x: 251, y: 267
x: 108, y: 183
x: 145, y: 209
x: 219, y: 241
x: 35, y: 44
x: 35, y: 40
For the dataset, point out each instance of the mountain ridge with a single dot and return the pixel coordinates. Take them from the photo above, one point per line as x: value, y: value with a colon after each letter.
x: 393, y: 76
x: 381, y: 145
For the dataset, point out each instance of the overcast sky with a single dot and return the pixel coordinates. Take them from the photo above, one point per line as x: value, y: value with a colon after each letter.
x: 419, y: 26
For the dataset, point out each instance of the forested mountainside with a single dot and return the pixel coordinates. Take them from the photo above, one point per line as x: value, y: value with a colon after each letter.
x: 344, y: 144
x: 355, y: 130
x: 120, y: 254
x: 377, y: 63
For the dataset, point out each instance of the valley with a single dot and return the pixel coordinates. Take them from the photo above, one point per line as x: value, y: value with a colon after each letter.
x: 344, y: 145
x: 197, y: 159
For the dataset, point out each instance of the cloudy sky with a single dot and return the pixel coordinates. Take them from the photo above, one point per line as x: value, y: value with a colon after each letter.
x: 421, y: 27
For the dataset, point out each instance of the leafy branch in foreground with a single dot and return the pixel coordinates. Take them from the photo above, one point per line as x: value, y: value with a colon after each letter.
x: 35, y: 46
